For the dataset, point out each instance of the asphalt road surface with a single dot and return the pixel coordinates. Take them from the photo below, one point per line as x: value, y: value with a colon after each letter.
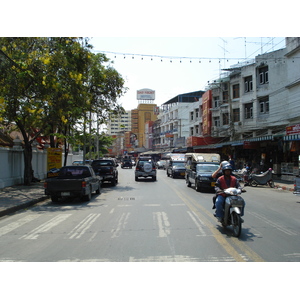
x: 146, y: 221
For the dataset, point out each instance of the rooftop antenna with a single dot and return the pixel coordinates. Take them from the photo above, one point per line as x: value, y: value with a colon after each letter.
x: 224, y: 49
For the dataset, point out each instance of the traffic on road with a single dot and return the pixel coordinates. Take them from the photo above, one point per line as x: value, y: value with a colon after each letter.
x: 161, y: 220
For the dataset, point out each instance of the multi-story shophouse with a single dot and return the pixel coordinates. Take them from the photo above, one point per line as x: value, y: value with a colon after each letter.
x: 174, y: 127
x: 252, y: 106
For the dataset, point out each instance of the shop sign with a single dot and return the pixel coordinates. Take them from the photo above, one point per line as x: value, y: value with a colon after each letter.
x: 294, y: 129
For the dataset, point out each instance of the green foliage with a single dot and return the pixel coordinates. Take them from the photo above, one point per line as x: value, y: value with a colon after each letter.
x: 48, y: 86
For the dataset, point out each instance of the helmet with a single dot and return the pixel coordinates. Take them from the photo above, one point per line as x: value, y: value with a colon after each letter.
x: 227, y: 167
x: 224, y: 163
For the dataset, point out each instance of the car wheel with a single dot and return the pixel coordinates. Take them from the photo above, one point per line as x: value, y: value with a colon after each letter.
x: 87, y: 197
x: 154, y: 178
x: 99, y: 188
x: 113, y: 181
x: 136, y: 178
x: 197, y: 186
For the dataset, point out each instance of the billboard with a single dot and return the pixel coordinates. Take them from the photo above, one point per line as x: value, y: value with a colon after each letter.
x: 145, y: 94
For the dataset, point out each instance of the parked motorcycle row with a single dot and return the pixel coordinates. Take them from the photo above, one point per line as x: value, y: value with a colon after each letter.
x: 251, y: 179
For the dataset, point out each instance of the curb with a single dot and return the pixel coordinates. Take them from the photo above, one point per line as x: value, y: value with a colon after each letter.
x: 15, y: 208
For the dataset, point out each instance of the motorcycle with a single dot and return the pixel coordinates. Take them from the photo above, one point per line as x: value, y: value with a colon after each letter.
x: 261, y: 179
x: 234, y: 204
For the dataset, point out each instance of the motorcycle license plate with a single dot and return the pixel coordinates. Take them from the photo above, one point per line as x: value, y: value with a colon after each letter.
x: 213, y: 183
x: 65, y: 193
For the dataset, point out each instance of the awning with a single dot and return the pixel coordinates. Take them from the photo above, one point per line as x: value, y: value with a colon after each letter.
x: 292, y: 137
x: 260, y: 138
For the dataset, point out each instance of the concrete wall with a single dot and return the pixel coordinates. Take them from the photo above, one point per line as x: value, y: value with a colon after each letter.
x: 12, y: 165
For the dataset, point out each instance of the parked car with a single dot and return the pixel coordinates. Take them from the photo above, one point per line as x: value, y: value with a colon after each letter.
x: 72, y: 182
x: 107, y: 169
x: 145, y: 167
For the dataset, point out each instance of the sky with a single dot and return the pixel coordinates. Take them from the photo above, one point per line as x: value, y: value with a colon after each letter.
x: 176, y: 65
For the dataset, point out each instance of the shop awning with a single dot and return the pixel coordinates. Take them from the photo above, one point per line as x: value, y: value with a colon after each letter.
x: 292, y: 137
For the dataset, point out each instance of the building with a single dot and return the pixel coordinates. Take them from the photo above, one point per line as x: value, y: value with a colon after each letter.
x: 175, y: 121
x: 119, y: 124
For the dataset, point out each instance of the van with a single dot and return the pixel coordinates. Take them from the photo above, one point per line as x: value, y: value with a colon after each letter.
x: 199, y: 170
x: 176, y: 165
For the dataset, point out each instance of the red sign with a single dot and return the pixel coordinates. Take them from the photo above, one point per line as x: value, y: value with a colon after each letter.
x: 294, y: 129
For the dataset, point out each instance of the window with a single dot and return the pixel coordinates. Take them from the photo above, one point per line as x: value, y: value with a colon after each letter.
x: 248, y: 84
x: 249, y: 111
x: 264, y: 105
x: 197, y: 129
x: 225, y: 96
x: 236, y: 91
x: 216, y: 101
x: 197, y: 113
x: 216, y: 121
x: 236, y: 115
x: 192, y: 116
x: 191, y: 131
x: 263, y: 75
x: 225, y: 119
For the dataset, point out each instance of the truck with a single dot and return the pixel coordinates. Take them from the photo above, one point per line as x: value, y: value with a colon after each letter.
x: 77, y: 181
x: 199, y: 169
x: 176, y: 165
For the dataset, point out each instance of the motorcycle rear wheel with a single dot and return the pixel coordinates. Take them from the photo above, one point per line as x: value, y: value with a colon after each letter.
x: 236, y: 224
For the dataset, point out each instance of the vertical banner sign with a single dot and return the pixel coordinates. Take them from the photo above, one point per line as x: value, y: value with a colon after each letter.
x: 206, y: 115
x: 54, y: 158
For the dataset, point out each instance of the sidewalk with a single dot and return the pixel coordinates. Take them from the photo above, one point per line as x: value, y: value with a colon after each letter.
x: 19, y: 197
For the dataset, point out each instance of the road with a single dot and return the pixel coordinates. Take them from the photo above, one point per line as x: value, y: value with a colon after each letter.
x: 146, y: 221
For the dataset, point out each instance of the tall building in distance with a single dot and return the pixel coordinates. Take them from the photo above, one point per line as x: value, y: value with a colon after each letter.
x: 120, y: 124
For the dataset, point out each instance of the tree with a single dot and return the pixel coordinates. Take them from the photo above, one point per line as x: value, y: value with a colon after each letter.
x: 47, y: 85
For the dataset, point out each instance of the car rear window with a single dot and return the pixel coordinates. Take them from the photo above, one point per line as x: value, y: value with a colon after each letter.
x: 102, y: 163
x: 69, y: 172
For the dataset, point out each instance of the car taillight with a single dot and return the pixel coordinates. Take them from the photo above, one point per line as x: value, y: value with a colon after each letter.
x: 45, y: 185
x: 137, y: 168
x: 83, y: 184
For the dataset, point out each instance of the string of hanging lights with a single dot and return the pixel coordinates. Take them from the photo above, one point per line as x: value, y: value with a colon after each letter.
x: 182, y: 59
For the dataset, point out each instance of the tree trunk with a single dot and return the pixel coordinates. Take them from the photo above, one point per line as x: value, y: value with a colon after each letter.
x: 28, y: 172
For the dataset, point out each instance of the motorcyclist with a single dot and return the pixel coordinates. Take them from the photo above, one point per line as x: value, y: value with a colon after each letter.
x: 225, y: 181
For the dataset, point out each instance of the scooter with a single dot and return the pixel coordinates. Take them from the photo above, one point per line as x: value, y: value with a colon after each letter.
x: 261, y: 179
x: 234, y: 204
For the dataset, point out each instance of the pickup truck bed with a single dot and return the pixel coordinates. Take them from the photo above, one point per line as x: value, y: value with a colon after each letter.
x: 73, y: 182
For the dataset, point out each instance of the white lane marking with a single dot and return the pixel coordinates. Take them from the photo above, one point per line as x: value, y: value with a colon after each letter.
x: 178, y: 204
x: 83, y: 226
x: 150, y: 205
x: 112, y: 211
x: 199, y: 224
x: 121, y: 224
x: 163, y: 224
x: 45, y: 227
x: 14, y: 225
x: 273, y: 224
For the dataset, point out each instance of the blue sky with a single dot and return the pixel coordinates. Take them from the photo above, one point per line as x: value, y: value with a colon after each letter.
x: 154, y: 62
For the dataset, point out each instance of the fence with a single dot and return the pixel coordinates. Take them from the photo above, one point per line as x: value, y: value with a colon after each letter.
x: 12, y: 164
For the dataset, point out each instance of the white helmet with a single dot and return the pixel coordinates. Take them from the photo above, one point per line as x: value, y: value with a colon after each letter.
x: 224, y: 163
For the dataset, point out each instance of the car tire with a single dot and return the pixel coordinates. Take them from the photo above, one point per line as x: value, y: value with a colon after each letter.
x: 154, y: 178
x: 98, y: 191
x: 113, y: 181
x: 87, y: 197
x: 136, y: 178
